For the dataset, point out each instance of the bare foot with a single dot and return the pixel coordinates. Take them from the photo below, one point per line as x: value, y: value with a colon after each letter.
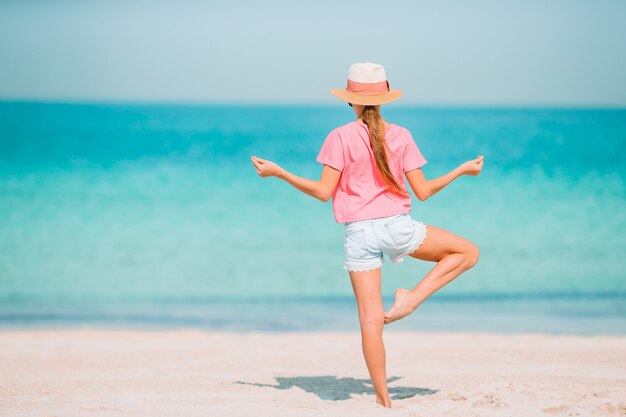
x: 386, y: 402
x: 404, y: 305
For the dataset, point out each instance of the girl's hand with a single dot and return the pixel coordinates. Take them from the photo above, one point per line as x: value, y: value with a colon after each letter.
x: 266, y: 168
x: 472, y: 167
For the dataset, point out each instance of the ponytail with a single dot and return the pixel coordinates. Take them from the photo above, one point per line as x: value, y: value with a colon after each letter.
x: 371, y: 117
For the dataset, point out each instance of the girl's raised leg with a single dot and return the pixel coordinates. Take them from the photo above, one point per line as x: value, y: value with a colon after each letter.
x: 453, y: 254
x: 367, y: 289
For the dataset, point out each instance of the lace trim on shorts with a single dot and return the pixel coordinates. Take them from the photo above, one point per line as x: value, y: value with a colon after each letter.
x: 366, y: 267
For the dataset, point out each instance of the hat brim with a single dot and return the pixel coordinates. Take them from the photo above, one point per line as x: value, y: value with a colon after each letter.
x: 373, y: 100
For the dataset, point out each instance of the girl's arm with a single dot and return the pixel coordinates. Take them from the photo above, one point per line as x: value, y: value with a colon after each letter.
x: 424, y: 188
x: 322, y: 189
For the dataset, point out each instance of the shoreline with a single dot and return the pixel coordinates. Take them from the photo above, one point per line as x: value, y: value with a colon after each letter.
x: 550, y: 315
x: 114, y: 372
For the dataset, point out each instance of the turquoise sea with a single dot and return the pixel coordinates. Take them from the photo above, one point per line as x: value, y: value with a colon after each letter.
x: 133, y: 215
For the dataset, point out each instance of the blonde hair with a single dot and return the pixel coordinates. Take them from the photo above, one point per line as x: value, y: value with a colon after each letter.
x: 371, y: 117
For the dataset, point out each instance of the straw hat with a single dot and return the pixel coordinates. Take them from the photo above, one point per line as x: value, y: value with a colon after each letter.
x: 367, y: 85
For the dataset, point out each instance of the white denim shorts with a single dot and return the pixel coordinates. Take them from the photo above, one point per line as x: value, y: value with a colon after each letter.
x: 367, y: 240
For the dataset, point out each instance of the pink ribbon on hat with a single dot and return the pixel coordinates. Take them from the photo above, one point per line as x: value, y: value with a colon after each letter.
x: 368, y: 89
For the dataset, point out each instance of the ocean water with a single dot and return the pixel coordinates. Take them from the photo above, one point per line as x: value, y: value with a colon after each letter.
x: 152, y: 215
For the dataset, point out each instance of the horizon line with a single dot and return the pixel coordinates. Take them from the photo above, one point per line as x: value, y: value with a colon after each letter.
x: 254, y: 103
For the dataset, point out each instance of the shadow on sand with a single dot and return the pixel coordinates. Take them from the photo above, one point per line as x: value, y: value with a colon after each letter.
x: 336, y: 389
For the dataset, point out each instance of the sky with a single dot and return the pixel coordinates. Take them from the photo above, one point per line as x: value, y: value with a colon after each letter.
x: 475, y: 53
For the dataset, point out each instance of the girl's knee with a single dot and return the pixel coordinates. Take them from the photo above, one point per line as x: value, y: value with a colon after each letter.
x: 473, y: 253
x: 372, y: 321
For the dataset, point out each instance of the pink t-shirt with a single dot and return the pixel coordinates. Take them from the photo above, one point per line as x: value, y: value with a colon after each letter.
x: 361, y: 193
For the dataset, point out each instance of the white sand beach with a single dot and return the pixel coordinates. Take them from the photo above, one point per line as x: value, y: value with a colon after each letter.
x: 85, y: 372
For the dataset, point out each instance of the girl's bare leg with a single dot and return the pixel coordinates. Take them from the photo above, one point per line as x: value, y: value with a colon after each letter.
x: 367, y: 289
x: 453, y: 254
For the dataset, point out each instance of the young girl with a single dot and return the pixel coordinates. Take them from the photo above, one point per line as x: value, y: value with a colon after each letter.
x: 364, y: 162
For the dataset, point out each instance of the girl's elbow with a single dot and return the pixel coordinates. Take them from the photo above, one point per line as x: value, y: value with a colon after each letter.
x: 421, y: 190
x: 324, y: 197
x: 325, y: 193
x: 421, y: 195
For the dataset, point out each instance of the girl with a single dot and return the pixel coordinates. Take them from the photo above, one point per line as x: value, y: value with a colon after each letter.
x: 363, y: 166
